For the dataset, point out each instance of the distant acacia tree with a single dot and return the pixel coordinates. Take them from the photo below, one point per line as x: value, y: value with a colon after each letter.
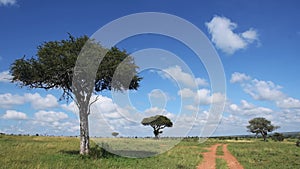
x: 158, y: 123
x: 261, y: 126
x: 115, y: 134
x: 56, y: 66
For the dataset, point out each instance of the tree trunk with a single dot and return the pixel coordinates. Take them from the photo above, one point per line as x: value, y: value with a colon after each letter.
x: 264, y: 135
x: 156, y: 133
x: 84, y: 130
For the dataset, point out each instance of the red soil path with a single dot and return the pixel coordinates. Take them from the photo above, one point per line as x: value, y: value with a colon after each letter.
x: 209, y: 161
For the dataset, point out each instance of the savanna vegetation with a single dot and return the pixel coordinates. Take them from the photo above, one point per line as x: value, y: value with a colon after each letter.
x: 62, y: 152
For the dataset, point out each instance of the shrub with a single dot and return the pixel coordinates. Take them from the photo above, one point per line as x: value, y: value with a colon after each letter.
x: 298, y: 143
x: 278, y: 137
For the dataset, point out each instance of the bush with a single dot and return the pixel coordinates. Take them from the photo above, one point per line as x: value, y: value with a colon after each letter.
x: 278, y: 137
x: 298, y: 143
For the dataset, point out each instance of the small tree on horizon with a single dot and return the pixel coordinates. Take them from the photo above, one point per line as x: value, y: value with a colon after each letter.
x: 261, y: 126
x: 115, y: 134
x: 158, y: 123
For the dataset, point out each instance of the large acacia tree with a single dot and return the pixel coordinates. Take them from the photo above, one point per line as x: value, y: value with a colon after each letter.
x: 80, y: 67
x: 261, y: 126
x: 158, y: 123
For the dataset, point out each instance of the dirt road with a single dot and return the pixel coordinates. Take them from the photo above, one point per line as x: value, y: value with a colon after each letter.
x: 209, y: 161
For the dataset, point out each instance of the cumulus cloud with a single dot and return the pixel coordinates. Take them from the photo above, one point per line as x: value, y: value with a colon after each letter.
x: 183, y: 78
x: 158, y: 94
x: 49, y: 116
x: 264, y: 90
x: 237, y: 77
x: 202, y: 96
x: 38, y: 102
x: 258, y: 89
x: 193, y: 108
x: 7, y: 2
x: 5, y: 76
x: 14, y: 115
x: 7, y: 100
x: 71, y: 107
x: 58, y: 122
x: 157, y: 111
x: 248, y: 109
x: 186, y: 93
x: 224, y: 37
x: 289, y: 103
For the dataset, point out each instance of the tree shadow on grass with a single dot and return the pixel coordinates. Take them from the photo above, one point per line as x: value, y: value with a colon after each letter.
x: 70, y: 152
x: 134, y: 153
x: 98, y: 152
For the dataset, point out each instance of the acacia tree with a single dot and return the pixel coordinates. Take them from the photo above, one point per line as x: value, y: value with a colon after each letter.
x: 158, y: 123
x: 115, y: 134
x: 261, y: 126
x: 80, y: 68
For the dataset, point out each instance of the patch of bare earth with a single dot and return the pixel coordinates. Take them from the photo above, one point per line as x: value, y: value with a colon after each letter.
x: 209, y: 158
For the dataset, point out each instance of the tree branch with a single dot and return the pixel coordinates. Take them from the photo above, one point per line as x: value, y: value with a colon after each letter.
x: 96, y: 99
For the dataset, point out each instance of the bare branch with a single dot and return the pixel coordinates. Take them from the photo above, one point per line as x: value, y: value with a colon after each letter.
x: 94, y: 101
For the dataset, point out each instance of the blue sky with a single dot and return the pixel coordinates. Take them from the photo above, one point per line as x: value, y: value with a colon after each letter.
x: 257, y: 42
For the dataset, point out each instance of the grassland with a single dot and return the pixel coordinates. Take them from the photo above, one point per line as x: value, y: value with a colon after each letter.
x: 260, y: 155
x: 221, y: 164
x: 62, y: 152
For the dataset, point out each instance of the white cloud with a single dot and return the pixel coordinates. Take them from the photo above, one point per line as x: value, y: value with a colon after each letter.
x: 192, y: 108
x: 57, y: 122
x: 289, y: 107
x: 264, y: 90
x: 71, y: 107
x: 5, y: 76
x: 49, y: 116
x: 258, y: 89
x: 158, y: 98
x: 289, y: 103
x: 250, y: 35
x: 7, y: 100
x: 183, y: 78
x: 158, y: 94
x: 201, y: 82
x: 205, y: 97
x: 14, y: 115
x: 7, y: 2
x: 248, y: 109
x: 221, y: 30
x: 38, y: 102
x: 157, y: 111
x: 237, y: 77
x: 202, y: 96
x: 186, y: 93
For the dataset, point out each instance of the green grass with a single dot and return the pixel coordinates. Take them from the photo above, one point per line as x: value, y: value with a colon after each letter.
x: 139, y: 147
x: 220, y: 150
x: 221, y: 164
x: 62, y: 152
x: 261, y: 155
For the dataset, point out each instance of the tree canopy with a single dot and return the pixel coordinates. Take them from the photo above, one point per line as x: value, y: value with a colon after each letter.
x: 80, y: 67
x: 115, y: 134
x: 158, y: 123
x: 261, y: 126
